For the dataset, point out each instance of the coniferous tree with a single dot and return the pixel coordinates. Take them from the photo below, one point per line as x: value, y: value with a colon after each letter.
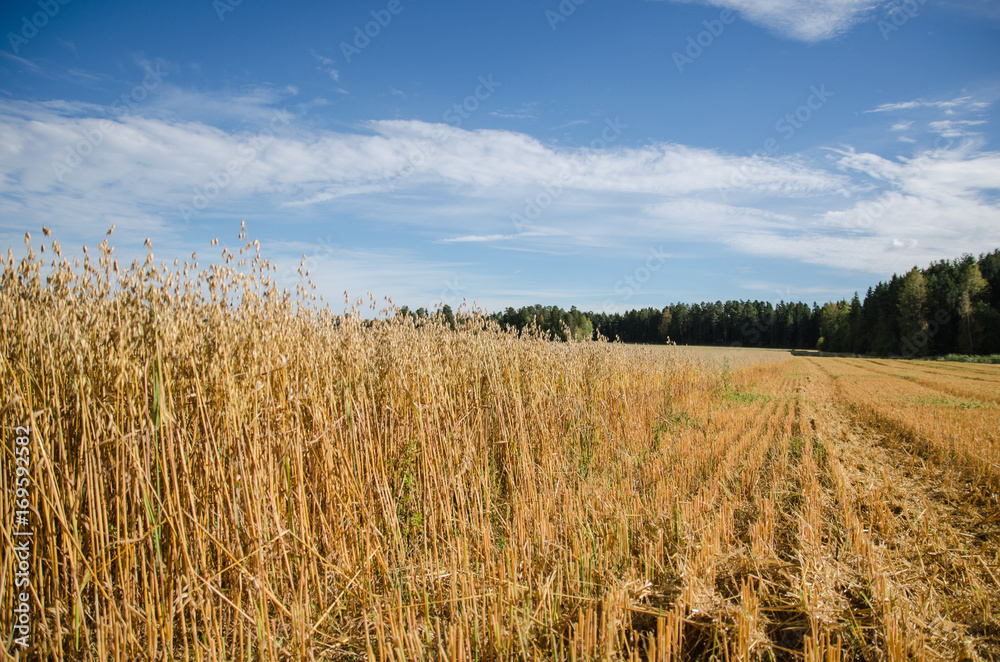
x: 972, y: 287
x: 856, y: 321
x: 949, y: 306
x: 913, y: 314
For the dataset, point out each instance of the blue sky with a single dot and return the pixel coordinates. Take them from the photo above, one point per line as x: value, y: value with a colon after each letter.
x: 583, y: 152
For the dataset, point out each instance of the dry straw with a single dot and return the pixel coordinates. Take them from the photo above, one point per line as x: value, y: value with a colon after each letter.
x: 223, y: 470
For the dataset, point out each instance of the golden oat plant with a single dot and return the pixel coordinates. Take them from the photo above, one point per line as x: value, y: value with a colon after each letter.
x: 222, y: 470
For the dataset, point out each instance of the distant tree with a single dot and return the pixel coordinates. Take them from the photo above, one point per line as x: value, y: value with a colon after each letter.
x: 581, y: 328
x: 834, y: 327
x: 680, y: 323
x: 666, y: 316
x: 972, y: 288
x: 856, y: 322
x: 448, y: 315
x: 913, y: 314
x: 951, y: 305
x: 989, y: 267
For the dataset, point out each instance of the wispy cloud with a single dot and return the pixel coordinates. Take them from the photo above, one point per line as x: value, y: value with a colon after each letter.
x: 569, y: 124
x: 327, y: 65
x: 964, y: 106
x: 936, y: 204
x: 802, y: 20
x: 68, y: 45
x: 956, y: 128
x: 960, y: 103
x: 410, y: 277
x: 489, y: 238
x: 525, y: 111
x: 27, y: 64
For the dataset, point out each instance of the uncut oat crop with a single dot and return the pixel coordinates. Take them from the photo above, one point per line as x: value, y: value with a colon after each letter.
x: 222, y: 471
x: 225, y: 472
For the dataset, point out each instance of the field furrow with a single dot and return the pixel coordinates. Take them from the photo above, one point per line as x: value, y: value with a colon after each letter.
x: 973, y: 391
x: 907, y: 520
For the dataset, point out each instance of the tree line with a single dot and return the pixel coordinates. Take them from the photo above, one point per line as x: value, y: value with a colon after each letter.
x: 951, y: 306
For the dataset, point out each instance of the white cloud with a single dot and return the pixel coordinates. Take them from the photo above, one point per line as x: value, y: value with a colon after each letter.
x: 569, y: 124
x: 27, y: 64
x: 320, y: 58
x: 410, y: 277
x: 144, y: 172
x: 695, y: 218
x: 802, y: 20
x: 935, y: 205
x: 959, y: 103
x: 497, y: 237
x: 947, y: 128
x: 69, y: 45
x: 327, y: 65
x: 955, y: 128
x: 458, y: 186
x: 526, y: 111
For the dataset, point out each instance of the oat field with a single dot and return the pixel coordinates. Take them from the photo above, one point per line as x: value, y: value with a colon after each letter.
x: 219, y: 471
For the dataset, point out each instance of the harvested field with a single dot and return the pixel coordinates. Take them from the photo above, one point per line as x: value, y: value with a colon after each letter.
x: 983, y: 385
x: 221, y: 472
